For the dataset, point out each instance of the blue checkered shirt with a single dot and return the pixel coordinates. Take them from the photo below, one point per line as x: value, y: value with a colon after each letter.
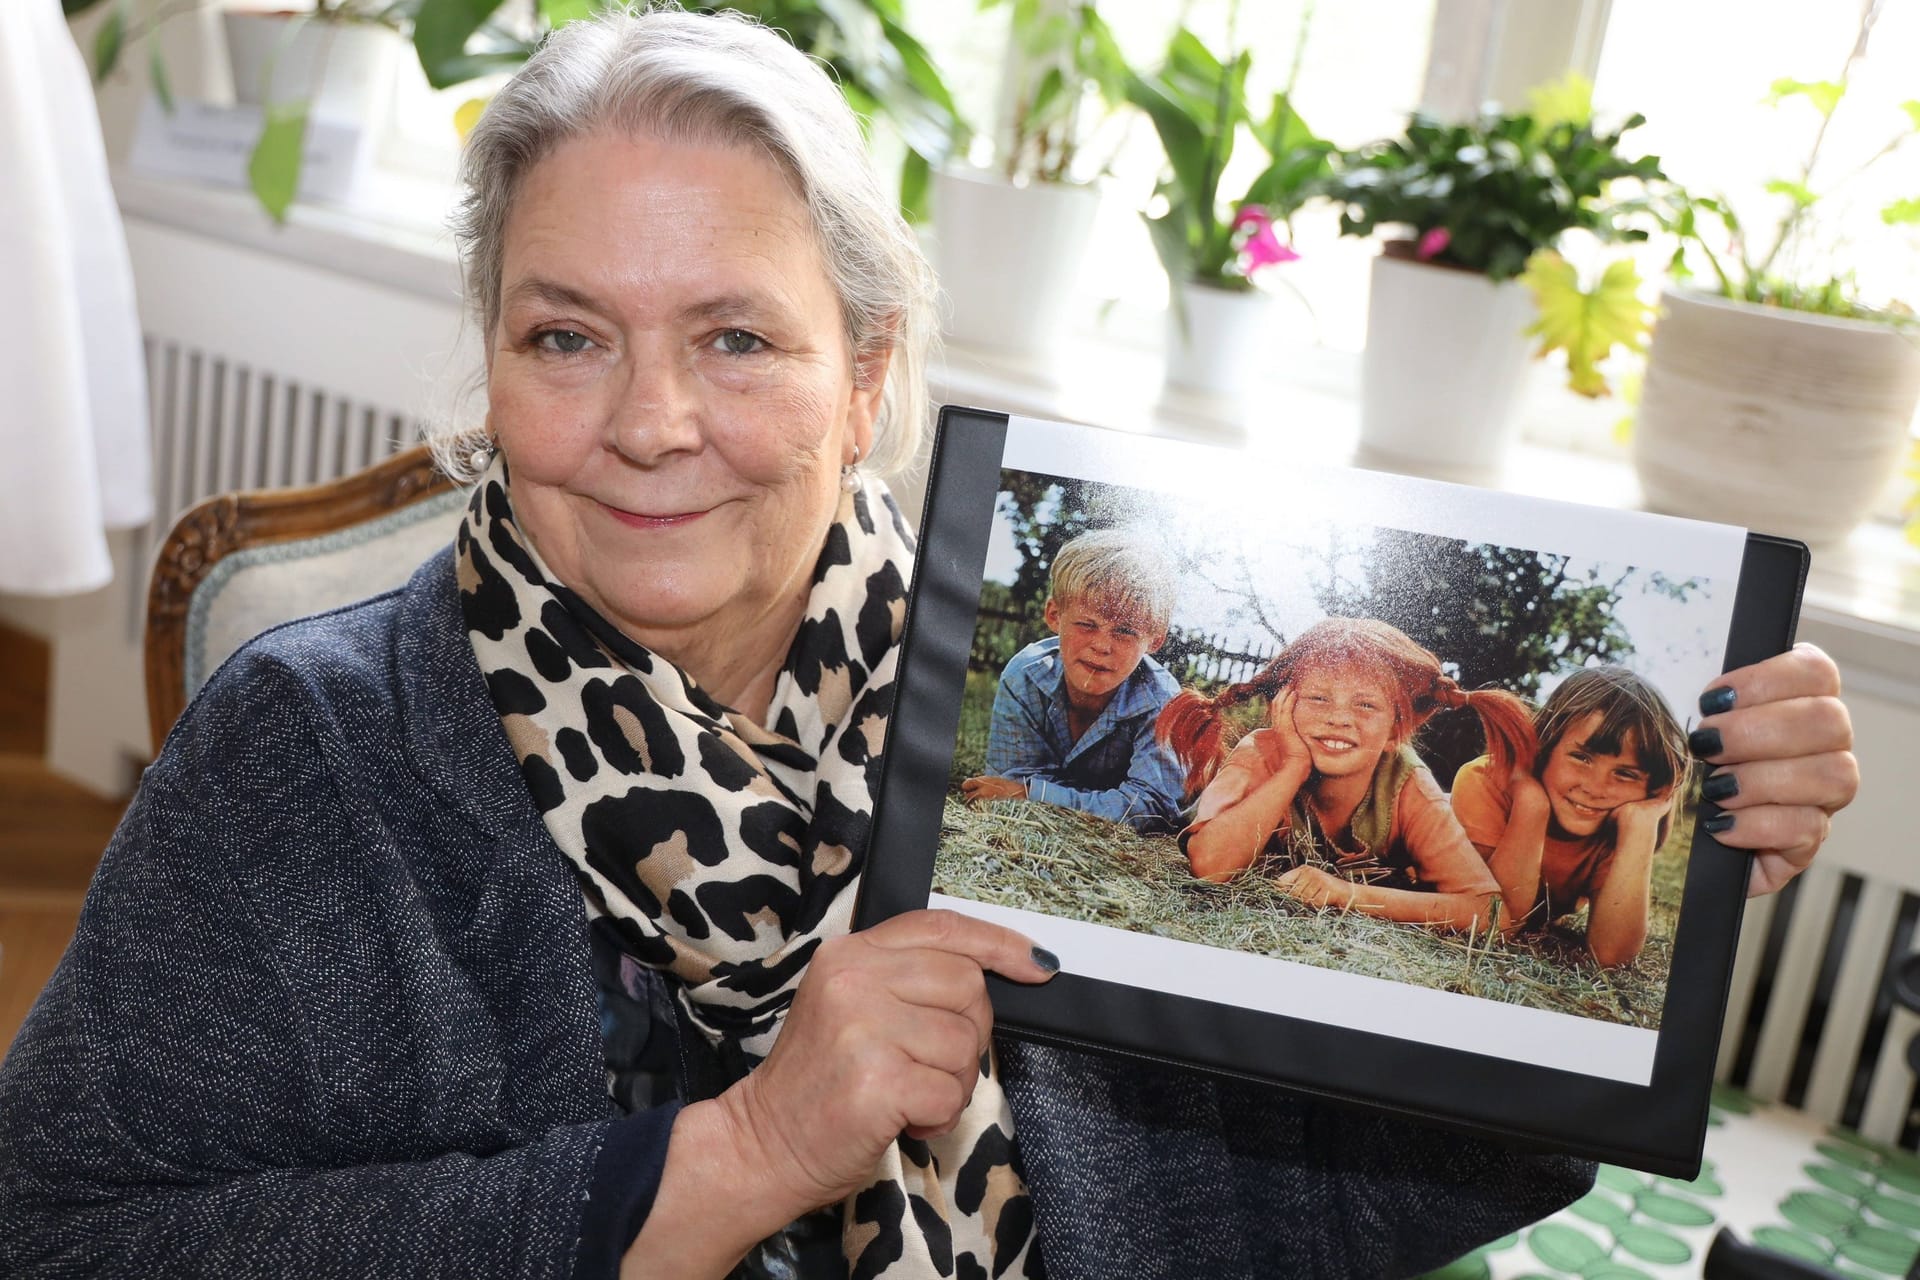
x: 1116, y: 770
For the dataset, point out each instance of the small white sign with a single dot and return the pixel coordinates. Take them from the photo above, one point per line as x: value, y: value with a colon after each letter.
x: 202, y: 142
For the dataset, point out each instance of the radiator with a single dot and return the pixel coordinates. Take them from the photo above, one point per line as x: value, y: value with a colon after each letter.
x: 220, y: 424
x: 267, y: 367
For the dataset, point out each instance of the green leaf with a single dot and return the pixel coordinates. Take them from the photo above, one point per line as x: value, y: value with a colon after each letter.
x: 1586, y: 325
x: 1181, y: 137
x: 1795, y: 1244
x: 1901, y: 1179
x: 1895, y: 1209
x: 1885, y: 1238
x: 1825, y: 95
x: 441, y: 30
x: 274, y: 167
x: 1833, y: 1178
x: 916, y: 184
x: 157, y: 71
x: 1100, y: 57
x: 1706, y: 1184
x: 1849, y: 1155
x: 1901, y: 211
x: 1820, y: 1213
x: 1799, y: 192
x: 1877, y: 1255
x: 1614, y: 1178
x: 1611, y: 1270
x: 1563, y: 1248
x: 1671, y: 1209
x: 1597, y: 1208
x: 1912, y: 107
x: 1568, y: 100
x: 1653, y: 1245
x: 558, y: 13
x: 74, y: 8
x: 108, y: 40
x: 1472, y: 1266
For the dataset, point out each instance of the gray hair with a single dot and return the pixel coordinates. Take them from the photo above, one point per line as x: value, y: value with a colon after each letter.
x: 685, y: 77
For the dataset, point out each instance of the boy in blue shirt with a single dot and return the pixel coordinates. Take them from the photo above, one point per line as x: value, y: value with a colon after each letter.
x: 1073, y: 716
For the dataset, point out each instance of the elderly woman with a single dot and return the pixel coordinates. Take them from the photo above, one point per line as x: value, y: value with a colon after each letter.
x: 498, y: 926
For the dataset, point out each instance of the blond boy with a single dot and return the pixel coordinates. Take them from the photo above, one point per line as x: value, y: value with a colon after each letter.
x: 1073, y: 715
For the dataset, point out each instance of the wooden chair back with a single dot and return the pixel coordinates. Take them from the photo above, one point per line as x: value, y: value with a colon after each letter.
x: 276, y: 528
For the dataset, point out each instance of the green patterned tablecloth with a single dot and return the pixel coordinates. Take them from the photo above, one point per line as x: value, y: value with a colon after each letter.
x: 1774, y: 1175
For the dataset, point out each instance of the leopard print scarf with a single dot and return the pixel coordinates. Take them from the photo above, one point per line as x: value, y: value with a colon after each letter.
x: 725, y: 851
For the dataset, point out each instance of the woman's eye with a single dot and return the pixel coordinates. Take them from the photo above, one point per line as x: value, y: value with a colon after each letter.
x: 738, y: 342
x: 564, y: 342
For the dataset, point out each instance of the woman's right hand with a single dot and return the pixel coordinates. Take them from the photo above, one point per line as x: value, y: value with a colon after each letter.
x: 884, y: 1038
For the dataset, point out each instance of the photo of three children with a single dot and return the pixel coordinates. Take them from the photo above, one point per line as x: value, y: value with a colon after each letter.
x: 1319, y: 796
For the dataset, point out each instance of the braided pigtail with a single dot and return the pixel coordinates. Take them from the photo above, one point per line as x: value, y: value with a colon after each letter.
x: 1193, y: 727
x: 1506, y: 717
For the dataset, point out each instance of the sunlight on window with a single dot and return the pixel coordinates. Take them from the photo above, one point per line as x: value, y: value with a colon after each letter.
x: 1701, y: 73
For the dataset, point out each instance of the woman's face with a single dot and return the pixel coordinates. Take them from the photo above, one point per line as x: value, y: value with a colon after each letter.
x: 671, y: 384
x: 1585, y: 785
x: 1346, y: 715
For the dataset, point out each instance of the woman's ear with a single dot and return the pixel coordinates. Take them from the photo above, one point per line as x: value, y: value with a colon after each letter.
x: 869, y: 389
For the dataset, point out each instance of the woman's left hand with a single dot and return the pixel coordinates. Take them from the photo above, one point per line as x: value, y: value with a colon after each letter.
x: 1787, y: 744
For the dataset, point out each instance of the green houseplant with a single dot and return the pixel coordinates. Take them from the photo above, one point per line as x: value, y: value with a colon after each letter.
x: 880, y: 66
x: 1211, y: 241
x: 1470, y: 207
x: 1008, y: 235
x: 1773, y: 360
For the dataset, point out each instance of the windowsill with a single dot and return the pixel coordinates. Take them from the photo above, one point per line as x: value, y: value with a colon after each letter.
x: 415, y: 255
x: 1863, y: 597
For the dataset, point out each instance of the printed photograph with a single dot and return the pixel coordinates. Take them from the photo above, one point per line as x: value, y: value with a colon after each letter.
x: 1437, y: 761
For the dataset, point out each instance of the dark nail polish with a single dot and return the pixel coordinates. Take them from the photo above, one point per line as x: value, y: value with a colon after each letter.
x: 1720, y: 786
x: 1704, y: 742
x: 1046, y: 959
x: 1719, y: 823
x: 1715, y: 701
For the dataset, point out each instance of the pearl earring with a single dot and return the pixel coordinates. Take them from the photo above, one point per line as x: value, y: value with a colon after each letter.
x: 480, y: 457
x: 850, y: 472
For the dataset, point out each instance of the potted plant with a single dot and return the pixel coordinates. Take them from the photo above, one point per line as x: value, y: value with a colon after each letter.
x: 291, y: 62
x: 1213, y: 244
x: 1008, y: 237
x: 1469, y: 205
x: 1776, y: 373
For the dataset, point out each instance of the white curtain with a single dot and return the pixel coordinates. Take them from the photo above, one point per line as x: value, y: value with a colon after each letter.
x: 74, y: 451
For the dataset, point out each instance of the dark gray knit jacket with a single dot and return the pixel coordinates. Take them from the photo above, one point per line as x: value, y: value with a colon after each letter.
x: 330, y: 1013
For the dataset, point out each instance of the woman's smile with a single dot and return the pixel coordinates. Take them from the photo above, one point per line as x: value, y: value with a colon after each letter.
x: 654, y: 520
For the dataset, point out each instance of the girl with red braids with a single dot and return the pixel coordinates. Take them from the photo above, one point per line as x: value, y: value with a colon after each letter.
x: 1334, y: 773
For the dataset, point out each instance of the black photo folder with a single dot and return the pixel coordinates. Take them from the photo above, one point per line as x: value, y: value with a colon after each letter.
x: 1651, y: 1117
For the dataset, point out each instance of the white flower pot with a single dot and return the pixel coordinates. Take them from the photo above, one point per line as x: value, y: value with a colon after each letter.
x: 1228, y: 337
x: 1783, y: 422
x: 342, y: 67
x: 1443, y: 371
x: 1009, y: 258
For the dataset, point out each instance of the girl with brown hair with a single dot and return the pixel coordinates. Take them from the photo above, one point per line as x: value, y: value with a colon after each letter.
x: 1580, y: 821
x: 1331, y: 793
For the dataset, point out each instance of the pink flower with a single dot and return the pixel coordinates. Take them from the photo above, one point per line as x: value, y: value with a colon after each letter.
x: 1433, y: 244
x: 1262, y: 248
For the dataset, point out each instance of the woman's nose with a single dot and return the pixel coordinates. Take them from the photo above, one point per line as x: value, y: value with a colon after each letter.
x: 657, y: 413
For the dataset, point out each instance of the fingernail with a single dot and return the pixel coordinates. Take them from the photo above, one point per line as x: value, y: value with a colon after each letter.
x: 1720, y: 786
x: 1704, y: 742
x: 1715, y: 701
x: 1719, y: 823
x: 1046, y: 959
